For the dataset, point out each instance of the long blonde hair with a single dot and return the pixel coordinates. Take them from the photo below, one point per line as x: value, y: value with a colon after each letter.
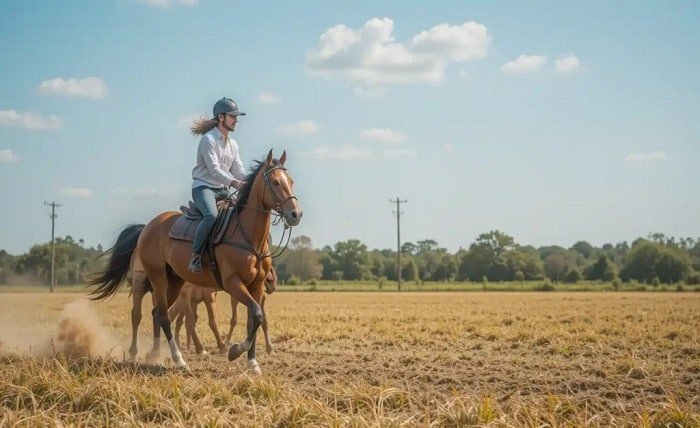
x: 202, y: 126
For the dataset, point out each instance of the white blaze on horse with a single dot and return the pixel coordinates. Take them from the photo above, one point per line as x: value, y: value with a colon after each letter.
x: 242, y: 254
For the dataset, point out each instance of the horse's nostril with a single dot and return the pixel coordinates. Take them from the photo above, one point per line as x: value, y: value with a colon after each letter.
x: 294, y: 215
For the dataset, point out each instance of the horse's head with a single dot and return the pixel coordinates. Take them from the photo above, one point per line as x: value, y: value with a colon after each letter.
x: 278, y: 193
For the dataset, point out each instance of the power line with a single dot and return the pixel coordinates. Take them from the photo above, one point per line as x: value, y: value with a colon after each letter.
x: 53, y: 216
x: 398, y: 237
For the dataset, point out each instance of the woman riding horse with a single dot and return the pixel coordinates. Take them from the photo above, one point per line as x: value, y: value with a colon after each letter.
x: 243, y: 255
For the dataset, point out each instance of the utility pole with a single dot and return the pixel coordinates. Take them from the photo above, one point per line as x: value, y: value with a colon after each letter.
x: 398, y: 237
x: 53, y: 206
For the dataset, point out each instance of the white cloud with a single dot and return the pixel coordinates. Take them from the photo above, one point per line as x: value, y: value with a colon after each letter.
x: 13, y: 119
x: 77, y: 192
x: 450, y: 148
x: 371, y: 55
x: 89, y: 87
x: 400, y: 153
x: 567, y: 64
x: 6, y: 156
x: 268, y: 98
x: 186, y: 122
x: 138, y: 192
x: 369, y: 91
x: 164, y: 4
x: 300, y: 128
x: 524, y: 64
x: 385, y: 135
x: 646, y: 157
x: 345, y: 152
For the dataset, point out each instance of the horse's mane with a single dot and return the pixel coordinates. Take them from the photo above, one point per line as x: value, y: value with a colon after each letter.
x: 244, y: 192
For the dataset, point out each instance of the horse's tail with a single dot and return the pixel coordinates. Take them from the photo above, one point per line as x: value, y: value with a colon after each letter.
x: 110, y: 280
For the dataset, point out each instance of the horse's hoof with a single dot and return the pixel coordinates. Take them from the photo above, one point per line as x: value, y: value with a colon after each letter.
x: 254, y: 368
x: 222, y: 349
x: 235, y: 351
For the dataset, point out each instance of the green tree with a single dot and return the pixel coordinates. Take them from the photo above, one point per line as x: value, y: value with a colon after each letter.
x: 648, y: 260
x: 583, y: 248
x: 409, y: 271
x: 352, y: 259
x: 556, y: 266
x: 597, y: 271
x: 302, y: 261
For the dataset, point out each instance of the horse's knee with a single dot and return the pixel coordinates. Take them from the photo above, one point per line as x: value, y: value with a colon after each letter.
x: 258, y: 316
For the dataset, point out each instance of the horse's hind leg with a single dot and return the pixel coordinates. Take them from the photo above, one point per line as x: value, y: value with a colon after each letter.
x: 154, y: 354
x: 190, y: 327
x: 209, y: 301
x: 164, y: 294
x: 138, y: 292
x: 268, y: 344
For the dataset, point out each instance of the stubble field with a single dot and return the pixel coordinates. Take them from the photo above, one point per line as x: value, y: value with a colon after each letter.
x: 359, y: 359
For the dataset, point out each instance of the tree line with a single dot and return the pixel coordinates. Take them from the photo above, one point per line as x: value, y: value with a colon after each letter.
x: 72, y: 259
x: 494, y: 256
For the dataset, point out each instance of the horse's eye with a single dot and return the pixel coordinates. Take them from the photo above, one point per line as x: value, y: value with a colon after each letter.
x: 276, y: 182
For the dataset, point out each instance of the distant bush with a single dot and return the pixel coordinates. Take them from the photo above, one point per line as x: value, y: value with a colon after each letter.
x: 573, y: 276
x: 519, y: 276
x: 545, y: 286
x: 293, y: 280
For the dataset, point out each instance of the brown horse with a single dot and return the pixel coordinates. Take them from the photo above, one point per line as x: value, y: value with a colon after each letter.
x: 185, y: 308
x: 244, y: 259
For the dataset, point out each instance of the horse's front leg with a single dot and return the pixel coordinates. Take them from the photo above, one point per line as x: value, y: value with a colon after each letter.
x: 237, y: 289
x: 268, y: 343
x: 211, y: 315
x: 234, y: 319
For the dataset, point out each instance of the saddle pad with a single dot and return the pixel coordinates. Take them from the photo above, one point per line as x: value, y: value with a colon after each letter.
x: 185, y: 227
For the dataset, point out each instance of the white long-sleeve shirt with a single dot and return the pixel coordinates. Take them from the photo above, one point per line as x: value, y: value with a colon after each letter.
x: 218, y: 162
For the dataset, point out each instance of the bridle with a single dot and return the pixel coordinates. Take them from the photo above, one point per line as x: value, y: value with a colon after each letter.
x: 276, y: 212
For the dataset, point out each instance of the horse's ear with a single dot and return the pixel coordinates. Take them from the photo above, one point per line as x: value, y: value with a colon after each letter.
x: 283, y: 158
x: 268, y: 161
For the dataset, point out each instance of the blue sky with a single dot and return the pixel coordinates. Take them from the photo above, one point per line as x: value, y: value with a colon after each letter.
x: 550, y: 121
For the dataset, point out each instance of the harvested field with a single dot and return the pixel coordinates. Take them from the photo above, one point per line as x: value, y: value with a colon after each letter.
x: 379, y: 359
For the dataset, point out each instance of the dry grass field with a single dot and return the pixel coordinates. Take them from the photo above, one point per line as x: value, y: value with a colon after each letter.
x: 368, y: 359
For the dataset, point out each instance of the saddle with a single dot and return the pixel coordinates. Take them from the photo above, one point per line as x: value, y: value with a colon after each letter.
x: 184, y: 227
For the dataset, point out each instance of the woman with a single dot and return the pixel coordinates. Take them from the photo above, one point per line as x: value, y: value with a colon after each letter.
x: 218, y: 167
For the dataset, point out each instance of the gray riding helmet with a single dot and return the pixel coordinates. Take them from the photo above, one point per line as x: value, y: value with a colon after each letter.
x: 227, y: 106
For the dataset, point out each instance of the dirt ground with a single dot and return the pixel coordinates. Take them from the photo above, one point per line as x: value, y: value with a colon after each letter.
x: 455, y: 359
